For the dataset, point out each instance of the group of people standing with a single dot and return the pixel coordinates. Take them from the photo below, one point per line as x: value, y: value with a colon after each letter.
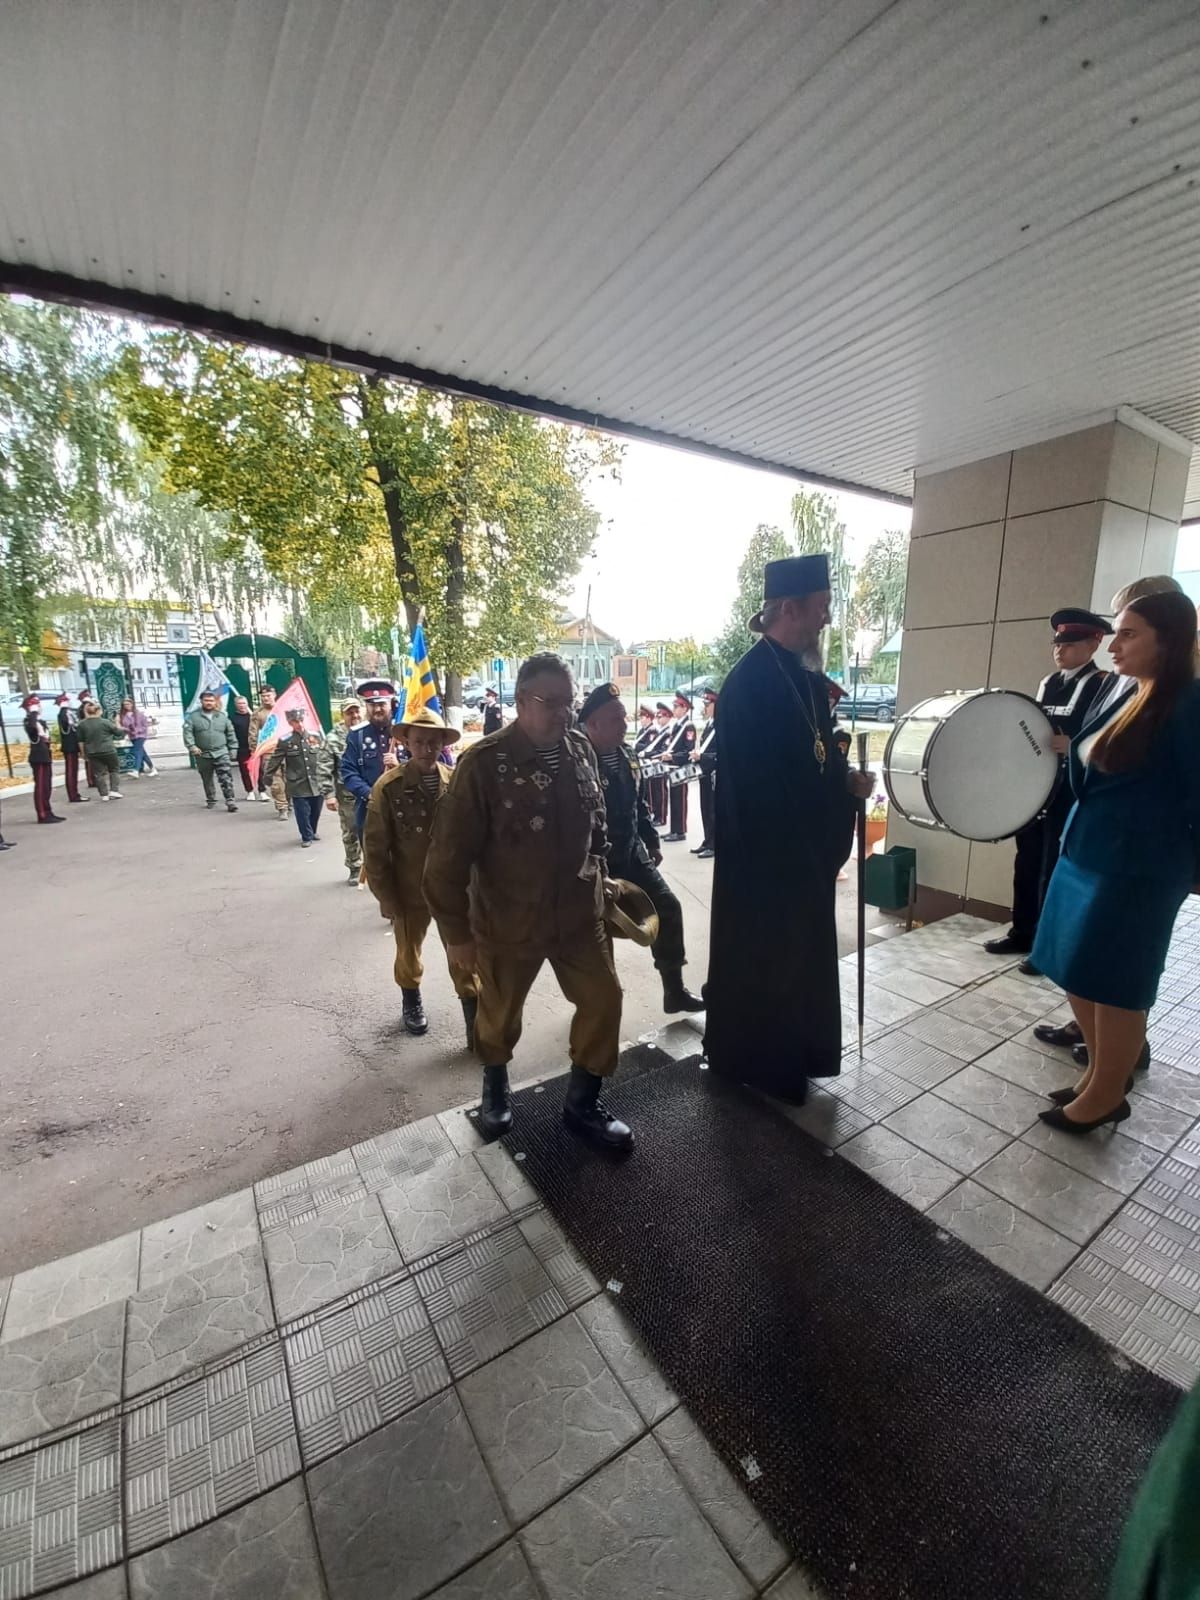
x: 668, y: 734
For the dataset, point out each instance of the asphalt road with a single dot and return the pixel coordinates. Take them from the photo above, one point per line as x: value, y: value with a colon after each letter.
x: 208, y: 1004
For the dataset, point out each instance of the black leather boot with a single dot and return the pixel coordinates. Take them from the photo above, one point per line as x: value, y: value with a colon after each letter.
x: 1009, y: 945
x: 1079, y: 1053
x: 675, y: 996
x: 470, y: 1009
x: 415, y: 1020
x: 495, y: 1113
x: 584, y: 1113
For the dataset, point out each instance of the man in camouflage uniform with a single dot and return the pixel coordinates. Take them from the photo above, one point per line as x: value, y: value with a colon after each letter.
x: 400, y: 817
x: 351, y: 844
x: 515, y: 877
x: 305, y: 762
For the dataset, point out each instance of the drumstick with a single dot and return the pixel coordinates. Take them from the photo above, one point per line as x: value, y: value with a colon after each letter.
x: 861, y: 825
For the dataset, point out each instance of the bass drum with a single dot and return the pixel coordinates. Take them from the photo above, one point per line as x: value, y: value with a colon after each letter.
x: 977, y: 763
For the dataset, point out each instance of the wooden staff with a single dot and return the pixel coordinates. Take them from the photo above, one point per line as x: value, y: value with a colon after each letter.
x: 861, y: 827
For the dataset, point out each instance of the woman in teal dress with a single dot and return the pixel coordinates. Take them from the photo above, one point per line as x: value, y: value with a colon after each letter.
x: 1130, y: 856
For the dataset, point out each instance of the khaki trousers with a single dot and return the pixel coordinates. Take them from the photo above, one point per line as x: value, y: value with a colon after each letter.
x: 409, y: 928
x: 587, y: 978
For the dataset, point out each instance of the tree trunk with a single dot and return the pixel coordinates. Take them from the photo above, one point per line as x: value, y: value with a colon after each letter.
x: 389, y: 487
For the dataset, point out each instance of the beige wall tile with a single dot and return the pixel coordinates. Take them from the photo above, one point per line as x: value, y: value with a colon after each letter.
x: 1170, y: 481
x: 1021, y: 655
x: 952, y: 577
x: 941, y: 857
x: 961, y: 497
x: 990, y: 873
x: 1119, y: 553
x: 937, y: 659
x: 1131, y: 467
x: 1048, y: 561
x: 1158, y: 552
x: 1061, y: 472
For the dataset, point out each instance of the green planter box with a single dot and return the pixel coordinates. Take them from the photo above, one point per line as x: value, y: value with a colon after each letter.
x: 888, y: 877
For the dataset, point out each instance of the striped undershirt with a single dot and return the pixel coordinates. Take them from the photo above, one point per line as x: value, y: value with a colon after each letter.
x: 610, y: 760
x: 550, y: 757
x: 430, y: 782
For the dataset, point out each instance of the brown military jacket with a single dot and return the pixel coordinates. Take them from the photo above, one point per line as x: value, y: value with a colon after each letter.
x: 518, y: 851
x: 396, y: 836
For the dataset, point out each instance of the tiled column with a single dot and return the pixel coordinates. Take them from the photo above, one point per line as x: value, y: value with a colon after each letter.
x: 997, y: 546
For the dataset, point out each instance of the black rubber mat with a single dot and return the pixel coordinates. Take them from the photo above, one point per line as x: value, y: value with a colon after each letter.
x: 915, y: 1423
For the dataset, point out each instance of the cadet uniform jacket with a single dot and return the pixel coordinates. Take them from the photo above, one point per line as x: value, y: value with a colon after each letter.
x: 36, y: 731
x: 396, y: 839
x: 631, y: 831
x: 1067, y: 699
x: 680, y: 743
x: 68, y: 731
x: 518, y: 851
x: 307, y: 763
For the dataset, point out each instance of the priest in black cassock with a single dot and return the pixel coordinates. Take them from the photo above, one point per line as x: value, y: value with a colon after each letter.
x: 784, y: 825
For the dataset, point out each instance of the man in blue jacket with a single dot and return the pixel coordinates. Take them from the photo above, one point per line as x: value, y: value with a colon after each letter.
x: 368, y: 751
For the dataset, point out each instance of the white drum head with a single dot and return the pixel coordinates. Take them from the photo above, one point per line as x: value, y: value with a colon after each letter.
x: 990, y: 768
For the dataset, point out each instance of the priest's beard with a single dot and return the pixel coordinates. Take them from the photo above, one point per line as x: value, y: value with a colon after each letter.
x: 810, y: 659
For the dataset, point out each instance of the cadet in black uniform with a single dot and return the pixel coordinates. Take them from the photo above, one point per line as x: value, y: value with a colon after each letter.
x: 655, y: 750
x: 68, y: 736
x: 493, y: 713
x: 706, y: 759
x: 633, y: 845
x: 1066, y: 697
x: 646, y: 729
x: 679, y: 749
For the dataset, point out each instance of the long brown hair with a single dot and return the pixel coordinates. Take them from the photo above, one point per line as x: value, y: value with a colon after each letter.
x: 1126, y: 742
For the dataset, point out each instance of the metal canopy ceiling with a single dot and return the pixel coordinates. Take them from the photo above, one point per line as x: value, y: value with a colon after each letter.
x: 838, y: 236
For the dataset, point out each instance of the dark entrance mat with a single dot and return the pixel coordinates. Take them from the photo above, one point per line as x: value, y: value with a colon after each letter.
x: 923, y: 1426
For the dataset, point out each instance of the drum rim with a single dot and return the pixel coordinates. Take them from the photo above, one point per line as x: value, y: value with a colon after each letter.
x: 940, y: 825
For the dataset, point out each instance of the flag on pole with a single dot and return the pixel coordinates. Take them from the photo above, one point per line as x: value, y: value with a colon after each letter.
x: 211, y: 681
x: 420, y: 690
x: 275, y: 727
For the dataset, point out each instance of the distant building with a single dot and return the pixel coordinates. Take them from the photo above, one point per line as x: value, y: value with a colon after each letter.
x: 150, y: 632
x: 587, y: 649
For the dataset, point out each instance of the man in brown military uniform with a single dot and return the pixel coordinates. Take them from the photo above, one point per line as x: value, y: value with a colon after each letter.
x: 396, y: 838
x: 515, y: 877
x: 351, y: 844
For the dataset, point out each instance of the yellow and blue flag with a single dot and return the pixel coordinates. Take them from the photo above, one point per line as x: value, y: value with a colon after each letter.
x: 420, y: 690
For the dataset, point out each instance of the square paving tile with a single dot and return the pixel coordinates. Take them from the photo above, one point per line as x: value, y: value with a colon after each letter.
x: 545, y: 1415
x: 194, y: 1317
x: 993, y: 1016
x: 504, y: 1575
x: 391, y: 1157
x: 721, y: 1498
x: 1154, y: 1250
x: 633, y: 1364
x: 825, y: 1117
x: 1168, y: 1085
x: 1175, y: 1039
x: 562, y: 1266
x: 1026, y: 1248
x: 405, y: 1509
x: 1017, y: 991
x: 487, y: 1297
x: 361, y: 1365
x: 912, y: 1058
x: 1134, y: 1316
x: 446, y: 1202
x: 872, y: 1090
x: 911, y: 985
x: 462, y: 1129
x: 67, y: 1288
x: 1188, y: 1148
x: 881, y: 1005
x: 901, y: 1167
x: 1108, y: 1157
x: 962, y: 1040
x: 106, y: 1585
x: 1173, y: 1190
x: 1029, y: 1069
x: 317, y: 1261
x: 61, y: 1375
x: 60, y: 1510
x: 1156, y: 1125
x: 507, y: 1177
x: 1072, y: 1204
x: 961, y: 1140
x: 1005, y: 1105
x: 207, y: 1446
x: 197, y: 1237
x: 264, y: 1548
x: 632, y: 1529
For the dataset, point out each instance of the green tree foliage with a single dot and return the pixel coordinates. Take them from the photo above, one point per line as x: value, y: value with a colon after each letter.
x: 360, y: 488
x: 63, y: 461
x: 767, y: 543
x: 687, y: 658
x: 817, y: 528
x: 879, y: 597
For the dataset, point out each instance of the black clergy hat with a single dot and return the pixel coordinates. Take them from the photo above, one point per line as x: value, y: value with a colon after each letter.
x: 602, y: 695
x: 791, y: 578
x: 1072, y: 623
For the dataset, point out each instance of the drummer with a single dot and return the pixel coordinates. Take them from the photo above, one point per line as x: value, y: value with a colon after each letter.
x: 1066, y: 697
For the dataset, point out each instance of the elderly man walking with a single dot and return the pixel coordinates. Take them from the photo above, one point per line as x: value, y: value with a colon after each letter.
x: 306, y: 763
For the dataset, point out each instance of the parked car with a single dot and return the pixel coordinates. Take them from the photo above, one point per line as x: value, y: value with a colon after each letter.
x: 869, y: 702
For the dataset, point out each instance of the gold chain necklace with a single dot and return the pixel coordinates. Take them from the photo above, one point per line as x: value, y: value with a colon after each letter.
x: 809, y: 711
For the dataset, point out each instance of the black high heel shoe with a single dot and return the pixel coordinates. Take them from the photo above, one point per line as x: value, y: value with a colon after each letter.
x: 1063, y: 1097
x: 1057, y: 1117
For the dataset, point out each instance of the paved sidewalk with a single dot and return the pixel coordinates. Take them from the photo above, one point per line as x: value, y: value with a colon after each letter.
x: 386, y: 1374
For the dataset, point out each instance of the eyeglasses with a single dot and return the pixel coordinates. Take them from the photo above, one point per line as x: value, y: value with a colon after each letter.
x: 553, y: 705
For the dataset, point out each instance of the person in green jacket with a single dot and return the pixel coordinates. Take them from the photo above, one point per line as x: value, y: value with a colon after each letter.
x: 212, y: 744
x: 307, y: 764
x: 1159, y: 1558
x: 98, y: 737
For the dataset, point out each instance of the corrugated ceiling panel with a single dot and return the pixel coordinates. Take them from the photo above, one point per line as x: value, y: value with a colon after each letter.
x: 841, y: 237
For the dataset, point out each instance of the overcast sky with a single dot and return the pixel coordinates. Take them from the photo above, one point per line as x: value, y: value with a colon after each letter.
x: 673, y: 532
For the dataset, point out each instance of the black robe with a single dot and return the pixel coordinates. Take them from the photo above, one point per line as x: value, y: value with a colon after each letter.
x: 783, y: 828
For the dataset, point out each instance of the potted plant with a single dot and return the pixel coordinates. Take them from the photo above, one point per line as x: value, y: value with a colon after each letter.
x: 877, y: 808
